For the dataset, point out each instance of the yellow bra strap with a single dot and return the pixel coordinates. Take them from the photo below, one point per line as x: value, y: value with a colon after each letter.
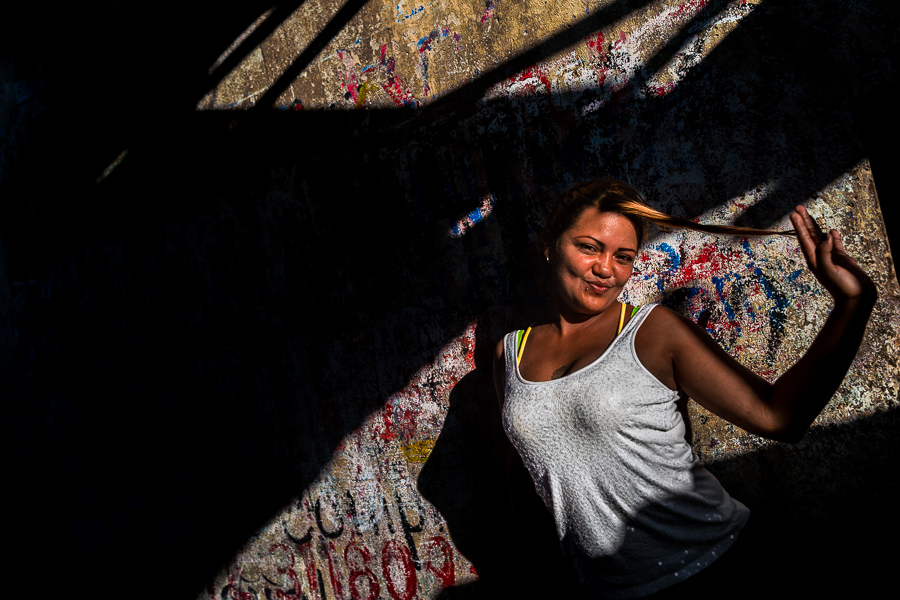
x: 621, y: 320
x: 522, y: 338
x: 521, y: 344
x: 622, y: 317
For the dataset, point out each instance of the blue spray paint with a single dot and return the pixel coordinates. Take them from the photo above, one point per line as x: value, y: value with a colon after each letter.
x: 719, y: 282
x: 673, y: 257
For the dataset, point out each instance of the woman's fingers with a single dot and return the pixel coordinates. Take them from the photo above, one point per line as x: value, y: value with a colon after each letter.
x: 838, y: 242
x: 812, y: 226
x: 801, y: 220
x: 823, y: 254
x: 829, y: 262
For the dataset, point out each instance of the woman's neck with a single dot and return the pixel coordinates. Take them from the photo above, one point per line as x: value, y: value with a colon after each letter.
x: 567, y: 323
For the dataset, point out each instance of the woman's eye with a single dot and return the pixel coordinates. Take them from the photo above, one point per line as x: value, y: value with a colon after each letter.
x: 587, y: 247
x: 625, y: 258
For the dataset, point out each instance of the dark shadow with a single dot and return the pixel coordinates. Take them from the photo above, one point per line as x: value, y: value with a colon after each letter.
x: 822, y: 507
x: 879, y: 125
x: 186, y: 344
x: 484, y: 492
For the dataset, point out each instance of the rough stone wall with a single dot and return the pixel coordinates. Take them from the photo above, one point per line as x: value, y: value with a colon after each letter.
x: 301, y: 308
x: 754, y: 296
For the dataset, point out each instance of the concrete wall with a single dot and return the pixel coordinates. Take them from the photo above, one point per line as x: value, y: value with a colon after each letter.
x: 250, y: 296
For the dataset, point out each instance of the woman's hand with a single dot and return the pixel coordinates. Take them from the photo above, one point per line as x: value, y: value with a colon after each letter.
x: 829, y: 262
x: 784, y: 410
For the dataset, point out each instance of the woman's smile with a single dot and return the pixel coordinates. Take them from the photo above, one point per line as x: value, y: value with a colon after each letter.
x: 599, y: 285
x: 592, y: 261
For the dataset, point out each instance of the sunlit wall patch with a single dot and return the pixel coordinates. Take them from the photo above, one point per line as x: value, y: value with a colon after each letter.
x: 470, y: 220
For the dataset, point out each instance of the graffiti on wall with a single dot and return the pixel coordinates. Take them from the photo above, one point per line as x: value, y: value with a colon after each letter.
x: 362, y: 530
x: 451, y: 125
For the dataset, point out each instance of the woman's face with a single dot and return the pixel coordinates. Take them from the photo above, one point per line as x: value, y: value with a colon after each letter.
x: 591, y: 262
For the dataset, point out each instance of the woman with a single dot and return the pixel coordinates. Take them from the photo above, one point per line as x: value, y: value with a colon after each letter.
x: 589, y: 395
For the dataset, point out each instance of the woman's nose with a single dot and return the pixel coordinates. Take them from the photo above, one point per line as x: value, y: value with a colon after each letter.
x: 603, y: 265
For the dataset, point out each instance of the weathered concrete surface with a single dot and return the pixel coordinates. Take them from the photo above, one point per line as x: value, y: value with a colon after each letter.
x: 765, y: 308
x: 282, y: 319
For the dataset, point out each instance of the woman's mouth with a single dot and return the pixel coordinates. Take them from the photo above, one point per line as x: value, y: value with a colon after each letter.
x: 597, y: 287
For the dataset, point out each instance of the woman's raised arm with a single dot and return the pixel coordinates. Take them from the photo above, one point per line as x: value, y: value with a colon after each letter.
x: 783, y: 410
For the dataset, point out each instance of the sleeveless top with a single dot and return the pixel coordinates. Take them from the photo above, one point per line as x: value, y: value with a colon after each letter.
x: 634, y: 509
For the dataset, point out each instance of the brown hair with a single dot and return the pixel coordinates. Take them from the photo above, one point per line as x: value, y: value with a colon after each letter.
x: 611, y: 195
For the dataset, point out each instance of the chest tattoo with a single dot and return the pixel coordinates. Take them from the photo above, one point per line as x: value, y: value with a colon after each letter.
x: 559, y: 373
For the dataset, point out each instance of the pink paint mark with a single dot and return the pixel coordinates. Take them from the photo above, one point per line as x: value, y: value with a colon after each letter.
x: 690, y: 6
x: 619, y: 44
x: 596, y: 45
x: 710, y: 261
x: 406, y: 425
x: 398, y: 92
x: 351, y: 80
x: 532, y: 72
x: 662, y: 90
x: 394, y: 86
x: 386, y: 413
x: 469, y: 356
x: 489, y: 12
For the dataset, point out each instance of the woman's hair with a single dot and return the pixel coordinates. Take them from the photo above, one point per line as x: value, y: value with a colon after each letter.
x: 611, y: 195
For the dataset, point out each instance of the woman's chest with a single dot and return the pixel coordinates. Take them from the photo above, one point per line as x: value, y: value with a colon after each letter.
x: 549, y: 357
x: 606, y: 399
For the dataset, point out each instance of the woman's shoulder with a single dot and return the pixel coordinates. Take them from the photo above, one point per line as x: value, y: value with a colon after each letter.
x: 662, y: 337
x: 669, y: 332
x: 661, y: 315
x: 663, y: 326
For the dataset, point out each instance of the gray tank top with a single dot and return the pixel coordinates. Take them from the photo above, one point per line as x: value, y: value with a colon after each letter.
x: 634, y: 509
